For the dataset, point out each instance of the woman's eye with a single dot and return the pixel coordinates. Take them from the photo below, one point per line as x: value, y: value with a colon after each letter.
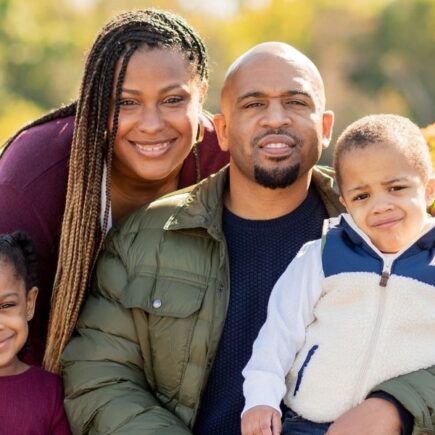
x: 127, y: 102
x: 6, y: 305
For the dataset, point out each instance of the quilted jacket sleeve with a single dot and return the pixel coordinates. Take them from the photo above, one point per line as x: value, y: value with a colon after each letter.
x: 105, y: 387
x: 416, y: 392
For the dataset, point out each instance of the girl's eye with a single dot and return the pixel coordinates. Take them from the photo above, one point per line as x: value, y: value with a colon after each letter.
x: 6, y: 306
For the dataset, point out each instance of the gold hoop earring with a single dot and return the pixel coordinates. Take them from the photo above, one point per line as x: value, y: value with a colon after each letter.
x: 200, y: 132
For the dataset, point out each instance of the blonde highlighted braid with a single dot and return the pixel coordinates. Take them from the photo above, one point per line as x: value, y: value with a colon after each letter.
x: 82, y: 234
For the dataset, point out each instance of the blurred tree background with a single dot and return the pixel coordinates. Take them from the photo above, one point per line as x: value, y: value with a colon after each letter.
x: 376, y: 56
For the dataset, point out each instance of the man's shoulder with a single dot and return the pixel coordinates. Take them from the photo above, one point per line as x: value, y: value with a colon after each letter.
x: 154, y: 216
x: 324, y: 182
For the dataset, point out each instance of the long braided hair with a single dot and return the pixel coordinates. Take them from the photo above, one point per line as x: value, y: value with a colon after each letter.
x: 92, y: 149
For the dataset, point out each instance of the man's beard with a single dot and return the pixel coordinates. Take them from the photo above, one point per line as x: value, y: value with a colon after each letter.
x: 276, y: 178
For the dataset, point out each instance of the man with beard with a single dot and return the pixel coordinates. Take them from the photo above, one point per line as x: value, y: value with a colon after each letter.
x: 181, y: 288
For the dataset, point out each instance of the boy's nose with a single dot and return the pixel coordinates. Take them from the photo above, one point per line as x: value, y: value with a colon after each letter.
x: 382, y: 205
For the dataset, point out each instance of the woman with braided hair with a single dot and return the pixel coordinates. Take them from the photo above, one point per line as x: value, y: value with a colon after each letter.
x: 136, y: 132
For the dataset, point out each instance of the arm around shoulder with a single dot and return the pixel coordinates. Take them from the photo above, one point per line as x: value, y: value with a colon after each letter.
x: 416, y: 392
x: 105, y: 386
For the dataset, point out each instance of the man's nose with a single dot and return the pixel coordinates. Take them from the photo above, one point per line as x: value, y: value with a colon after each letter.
x: 276, y: 115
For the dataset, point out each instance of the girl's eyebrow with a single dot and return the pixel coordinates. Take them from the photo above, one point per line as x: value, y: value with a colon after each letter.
x: 6, y: 295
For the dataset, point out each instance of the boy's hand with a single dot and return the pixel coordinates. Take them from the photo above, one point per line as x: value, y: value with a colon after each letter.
x: 374, y: 416
x: 261, y: 420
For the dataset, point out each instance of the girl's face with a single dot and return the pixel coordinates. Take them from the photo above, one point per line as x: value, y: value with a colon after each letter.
x: 161, y: 101
x: 16, y: 309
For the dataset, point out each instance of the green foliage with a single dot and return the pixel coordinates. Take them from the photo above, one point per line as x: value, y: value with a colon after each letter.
x: 374, y: 55
x: 400, y: 54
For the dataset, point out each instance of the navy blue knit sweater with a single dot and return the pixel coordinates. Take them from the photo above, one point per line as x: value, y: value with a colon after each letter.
x: 259, y: 252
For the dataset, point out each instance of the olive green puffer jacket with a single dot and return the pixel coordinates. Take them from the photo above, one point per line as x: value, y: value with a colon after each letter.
x: 149, y: 330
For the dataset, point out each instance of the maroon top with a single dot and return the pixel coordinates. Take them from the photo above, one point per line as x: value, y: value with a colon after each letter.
x: 32, y: 403
x: 33, y: 180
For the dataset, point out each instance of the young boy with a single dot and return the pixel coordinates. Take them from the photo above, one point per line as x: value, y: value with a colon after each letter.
x: 358, y: 307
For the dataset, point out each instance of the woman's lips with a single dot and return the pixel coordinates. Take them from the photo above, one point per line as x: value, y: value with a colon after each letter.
x: 153, y: 149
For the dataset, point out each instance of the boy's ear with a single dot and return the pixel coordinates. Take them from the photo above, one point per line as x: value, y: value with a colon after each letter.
x: 430, y: 193
x: 31, y: 302
x: 342, y: 202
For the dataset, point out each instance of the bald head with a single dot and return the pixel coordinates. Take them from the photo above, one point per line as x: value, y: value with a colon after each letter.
x: 273, y: 54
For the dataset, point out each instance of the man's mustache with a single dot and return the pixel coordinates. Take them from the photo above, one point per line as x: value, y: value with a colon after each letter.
x: 278, y: 131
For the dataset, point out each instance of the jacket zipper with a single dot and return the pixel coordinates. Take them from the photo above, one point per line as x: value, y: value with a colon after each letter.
x: 365, y: 367
x: 386, y: 272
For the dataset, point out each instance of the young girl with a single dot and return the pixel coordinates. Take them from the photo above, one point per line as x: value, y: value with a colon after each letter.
x: 31, y: 399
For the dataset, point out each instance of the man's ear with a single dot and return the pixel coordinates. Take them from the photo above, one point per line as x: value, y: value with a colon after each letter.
x: 30, y: 302
x: 221, y: 130
x: 328, y: 124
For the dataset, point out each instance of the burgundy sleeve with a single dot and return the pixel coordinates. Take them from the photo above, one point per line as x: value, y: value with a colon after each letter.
x: 211, y: 157
x: 60, y: 425
x: 33, y: 179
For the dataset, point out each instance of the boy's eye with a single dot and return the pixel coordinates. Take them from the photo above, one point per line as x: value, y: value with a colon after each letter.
x: 360, y: 197
x: 396, y: 188
x: 173, y: 100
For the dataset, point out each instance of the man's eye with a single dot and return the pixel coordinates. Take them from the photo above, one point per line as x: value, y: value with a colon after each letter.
x: 253, y: 105
x: 294, y: 102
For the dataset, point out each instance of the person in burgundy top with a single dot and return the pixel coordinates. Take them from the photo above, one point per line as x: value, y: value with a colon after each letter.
x: 31, y: 399
x: 136, y: 132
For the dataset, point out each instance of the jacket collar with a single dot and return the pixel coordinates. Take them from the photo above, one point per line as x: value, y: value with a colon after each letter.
x: 423, y: 241
x: 202, y: 207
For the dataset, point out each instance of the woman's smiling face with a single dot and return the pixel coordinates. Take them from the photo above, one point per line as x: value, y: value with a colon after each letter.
x: 160, y: 105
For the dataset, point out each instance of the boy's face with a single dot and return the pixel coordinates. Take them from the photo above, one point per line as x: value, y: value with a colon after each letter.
x: 16, y: 309
x: 385, y: 195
